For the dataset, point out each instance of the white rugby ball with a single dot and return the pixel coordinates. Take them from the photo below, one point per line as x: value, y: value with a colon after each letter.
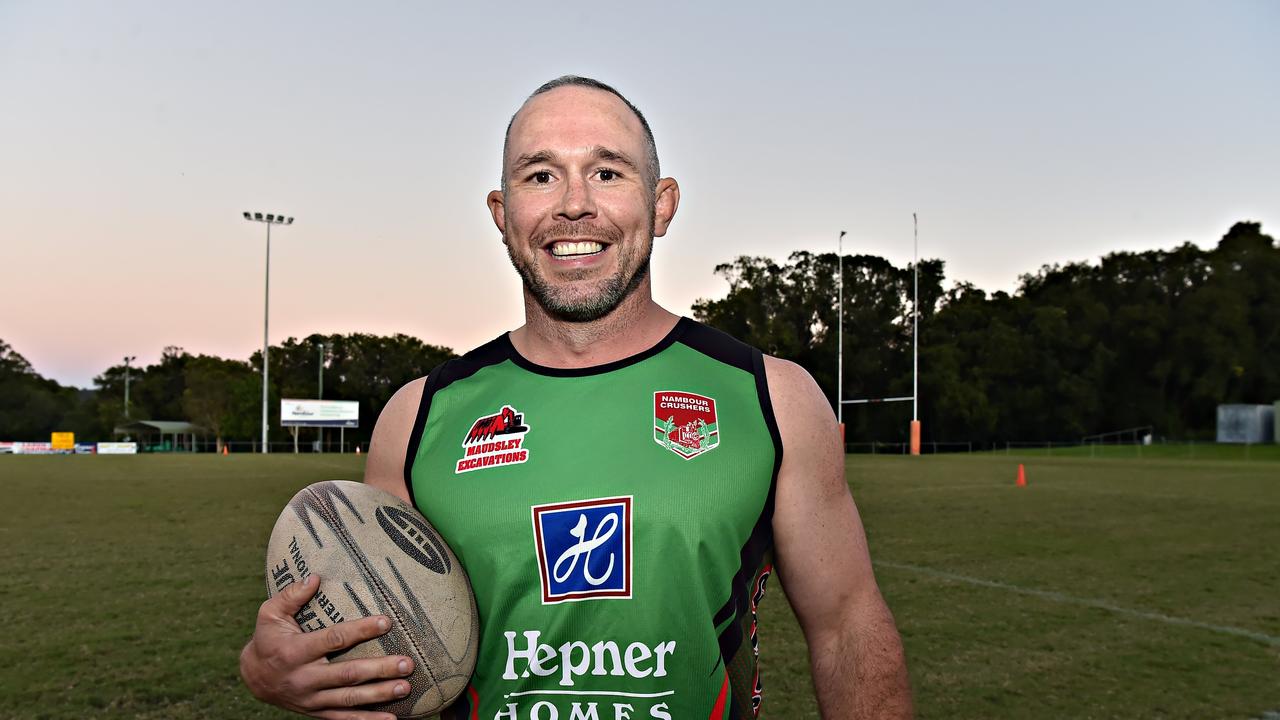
x: 376, y: 555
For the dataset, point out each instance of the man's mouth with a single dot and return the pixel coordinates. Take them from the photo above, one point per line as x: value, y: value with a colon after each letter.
x: 566, y: 248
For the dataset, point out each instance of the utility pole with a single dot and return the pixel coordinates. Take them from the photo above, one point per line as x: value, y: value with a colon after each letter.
x: 128, y: 359
x: 270, y: 220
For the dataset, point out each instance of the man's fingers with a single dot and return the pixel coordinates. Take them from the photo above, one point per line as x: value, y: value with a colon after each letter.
x: 345, y: 673
x: 366, y: 694
x: 289, y: 601
x: 344, y: 635
x: 352, y: 715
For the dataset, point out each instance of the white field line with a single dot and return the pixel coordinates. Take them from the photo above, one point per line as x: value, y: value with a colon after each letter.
x: 1087, y: 602
x: 1157, y: 495
x: 1036, y: 487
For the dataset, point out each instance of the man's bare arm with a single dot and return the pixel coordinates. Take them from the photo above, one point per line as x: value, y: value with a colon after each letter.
x: 384, y: 469
x: 859, y: 670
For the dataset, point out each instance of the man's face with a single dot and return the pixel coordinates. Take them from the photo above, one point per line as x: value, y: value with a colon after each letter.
x: 578, y: 213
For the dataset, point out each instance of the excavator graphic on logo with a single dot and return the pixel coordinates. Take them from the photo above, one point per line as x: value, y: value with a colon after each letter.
x: 506, y: 422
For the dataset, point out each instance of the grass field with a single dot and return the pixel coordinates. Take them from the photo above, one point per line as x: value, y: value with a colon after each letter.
x: 1108, y: 588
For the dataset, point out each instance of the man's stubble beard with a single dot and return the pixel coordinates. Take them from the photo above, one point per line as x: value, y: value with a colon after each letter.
x: 612, y: 291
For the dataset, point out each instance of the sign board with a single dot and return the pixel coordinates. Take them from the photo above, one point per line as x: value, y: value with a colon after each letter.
x: 63, y: 441
x: 33, y: 448
x: 86, y: 448
x: 320, y: 413
x: 6, y: 448
x: 117, y: 448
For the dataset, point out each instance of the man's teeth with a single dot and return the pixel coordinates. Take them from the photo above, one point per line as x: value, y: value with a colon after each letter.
x: 562, y: 249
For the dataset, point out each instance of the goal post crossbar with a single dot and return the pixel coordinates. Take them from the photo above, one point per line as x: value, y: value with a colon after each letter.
x: 864, y: 401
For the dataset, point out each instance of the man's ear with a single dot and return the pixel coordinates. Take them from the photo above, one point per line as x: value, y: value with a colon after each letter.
x: 498, y: 209
x: 666, y: 201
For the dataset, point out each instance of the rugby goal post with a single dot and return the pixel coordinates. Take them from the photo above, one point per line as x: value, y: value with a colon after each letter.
x: 915, y: 423
x: 915, y: 341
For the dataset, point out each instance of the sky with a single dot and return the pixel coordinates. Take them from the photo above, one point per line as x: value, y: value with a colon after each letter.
x: 134, y: 134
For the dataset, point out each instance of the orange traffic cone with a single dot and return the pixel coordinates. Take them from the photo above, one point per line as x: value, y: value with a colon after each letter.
x: 225, y: 450
x: 1022, y: 476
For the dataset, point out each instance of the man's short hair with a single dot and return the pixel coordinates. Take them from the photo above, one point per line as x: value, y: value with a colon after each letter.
x: 651, y: 148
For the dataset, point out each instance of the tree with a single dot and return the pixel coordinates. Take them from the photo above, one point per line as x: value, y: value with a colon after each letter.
x: 219, y: 395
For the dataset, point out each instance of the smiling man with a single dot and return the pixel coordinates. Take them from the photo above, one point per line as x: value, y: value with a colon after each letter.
x: 619, y: 482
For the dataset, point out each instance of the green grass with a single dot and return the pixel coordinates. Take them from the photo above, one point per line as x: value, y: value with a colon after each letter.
x: 128, y: 584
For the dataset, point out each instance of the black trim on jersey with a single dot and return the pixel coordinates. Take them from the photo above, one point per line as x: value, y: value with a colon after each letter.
x: 460, y: 709
x: 444, y: 375
x: 681, y: 326
x: 727, y: 349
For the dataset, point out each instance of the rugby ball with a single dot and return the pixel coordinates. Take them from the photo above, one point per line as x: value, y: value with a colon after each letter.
x: 376, y: 555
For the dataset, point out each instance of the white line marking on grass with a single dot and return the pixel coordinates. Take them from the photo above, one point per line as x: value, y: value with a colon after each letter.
x: 1087, y: 602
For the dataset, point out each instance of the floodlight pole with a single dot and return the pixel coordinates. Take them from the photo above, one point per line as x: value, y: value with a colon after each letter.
x: 840, y: 335
x: 128, y: 359
x: 270, y: 220
x: 320, y: 396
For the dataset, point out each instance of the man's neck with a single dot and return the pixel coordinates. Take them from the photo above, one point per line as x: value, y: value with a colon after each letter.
x: 636, y: 325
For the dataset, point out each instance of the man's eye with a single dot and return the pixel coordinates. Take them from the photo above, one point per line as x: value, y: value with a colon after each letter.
x: 541, y: 177
x: 608, y: 175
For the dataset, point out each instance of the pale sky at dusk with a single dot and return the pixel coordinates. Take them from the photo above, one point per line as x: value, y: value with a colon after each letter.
x: 133, y: 135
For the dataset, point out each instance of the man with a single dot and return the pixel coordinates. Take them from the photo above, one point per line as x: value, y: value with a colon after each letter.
x: 666, y: 468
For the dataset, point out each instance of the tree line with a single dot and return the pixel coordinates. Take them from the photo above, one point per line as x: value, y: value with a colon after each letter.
x: 1139, y: 338
x: 1157, y: 338
x: 219, y: 394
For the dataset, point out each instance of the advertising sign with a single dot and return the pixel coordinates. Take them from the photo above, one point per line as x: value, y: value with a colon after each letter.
x: 320, y: 413
x: 86, y: 448
x: 32, y: 448
x: 6, y: 448
x: 63, y: 441
x: 117, y: 448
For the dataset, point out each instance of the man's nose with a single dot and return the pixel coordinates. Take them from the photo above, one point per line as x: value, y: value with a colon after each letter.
x: 577, y: 201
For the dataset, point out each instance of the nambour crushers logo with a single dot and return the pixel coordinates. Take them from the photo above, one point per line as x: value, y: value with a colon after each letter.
x: 584, y: 549
x: 494, y: 440
x: 685, y: 423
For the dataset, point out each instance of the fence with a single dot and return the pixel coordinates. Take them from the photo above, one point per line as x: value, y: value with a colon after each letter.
x: 1158, y: 449
x: 902, y: 448
x: 210, y: 445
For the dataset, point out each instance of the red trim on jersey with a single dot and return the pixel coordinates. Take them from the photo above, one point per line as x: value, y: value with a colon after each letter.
x: 475, y: 702
x: 717, y: 712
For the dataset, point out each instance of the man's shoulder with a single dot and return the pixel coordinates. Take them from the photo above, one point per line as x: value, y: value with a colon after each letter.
x: 469, y: 363
x: 721, y: 346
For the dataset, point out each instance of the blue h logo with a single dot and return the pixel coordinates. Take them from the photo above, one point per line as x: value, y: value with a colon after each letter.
x: 584, y: 549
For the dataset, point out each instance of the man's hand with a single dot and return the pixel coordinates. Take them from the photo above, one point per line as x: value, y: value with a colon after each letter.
x: 286, y: 667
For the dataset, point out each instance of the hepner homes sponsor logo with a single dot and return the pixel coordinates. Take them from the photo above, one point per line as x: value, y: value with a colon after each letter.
x: 546, y: 677
x: 685, y: 423
x: 494, y: 440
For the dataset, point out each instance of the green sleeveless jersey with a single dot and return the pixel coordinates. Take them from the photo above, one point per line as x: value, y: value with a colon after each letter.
x: 615, y: 522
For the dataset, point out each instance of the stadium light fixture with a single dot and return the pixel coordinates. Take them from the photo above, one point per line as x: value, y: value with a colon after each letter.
x: 128, y: 359
x: 270, y: 220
